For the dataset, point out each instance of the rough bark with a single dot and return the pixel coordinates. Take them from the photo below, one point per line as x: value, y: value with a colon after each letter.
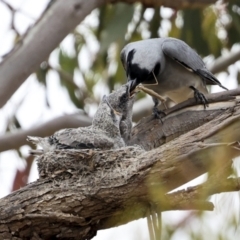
x: 56, y: 22
x: 80, y: 192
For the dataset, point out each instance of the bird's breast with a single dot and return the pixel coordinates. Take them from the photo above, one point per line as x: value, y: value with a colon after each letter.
x: 174, y: 82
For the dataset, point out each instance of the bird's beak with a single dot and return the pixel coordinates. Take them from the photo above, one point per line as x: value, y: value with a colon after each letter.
x: 132, y: 85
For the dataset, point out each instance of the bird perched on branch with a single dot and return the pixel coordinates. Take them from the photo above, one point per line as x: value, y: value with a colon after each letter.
x: 169, y: 67
x: 111, y: 127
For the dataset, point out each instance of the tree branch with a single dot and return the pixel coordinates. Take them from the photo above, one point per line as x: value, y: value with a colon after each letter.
x: 223, y: 62
x: 82, y: 191
x: 16, y: 139
x: 182, y: 118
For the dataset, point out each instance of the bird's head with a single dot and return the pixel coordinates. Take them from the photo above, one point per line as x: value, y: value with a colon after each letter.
x: 115, y: 115
x: 113, y: 110
x: 121, y: 100
x: 141, y: 63
x: 107, y: 118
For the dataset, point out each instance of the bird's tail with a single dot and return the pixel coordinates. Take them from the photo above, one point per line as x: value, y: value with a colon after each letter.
x: 209, y: 77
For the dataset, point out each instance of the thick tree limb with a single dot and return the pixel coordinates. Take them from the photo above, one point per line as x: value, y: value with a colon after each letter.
x: 185, y: 119
x: 80, y: 192
x: 16, y: 139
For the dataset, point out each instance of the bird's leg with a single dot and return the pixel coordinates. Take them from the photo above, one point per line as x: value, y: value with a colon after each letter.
x: 200, y: 98
x: 156, y: 112
x: 156, y: 97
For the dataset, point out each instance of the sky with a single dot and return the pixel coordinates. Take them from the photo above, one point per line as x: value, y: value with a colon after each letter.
x: 29, y: 105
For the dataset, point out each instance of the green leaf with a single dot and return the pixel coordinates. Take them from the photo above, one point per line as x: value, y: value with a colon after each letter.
x: 233, y: 29
x: 67, y: 63
x: 41, y: 73
x: 66, y: 72
x: 210, y: 32
x: 192, y: 31
x: 174, y: 31
x: 114, y: 20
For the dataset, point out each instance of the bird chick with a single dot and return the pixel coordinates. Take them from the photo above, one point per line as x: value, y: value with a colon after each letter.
x: 123, y: 103
x: 169, y: 67
x: 104, y: 133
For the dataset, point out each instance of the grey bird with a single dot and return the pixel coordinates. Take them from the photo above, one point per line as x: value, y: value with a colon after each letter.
x: 168, y: 66
x: 123, y: 102
x: 105, y: 131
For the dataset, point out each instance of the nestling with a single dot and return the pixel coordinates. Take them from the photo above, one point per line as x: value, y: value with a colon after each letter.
x: 105, y: 131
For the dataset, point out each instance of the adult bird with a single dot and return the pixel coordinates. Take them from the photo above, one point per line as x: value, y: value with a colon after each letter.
x: 168, y: 66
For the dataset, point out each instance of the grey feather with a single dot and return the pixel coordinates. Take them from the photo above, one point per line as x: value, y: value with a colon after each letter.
x: 105, y: 131
x: 172, y: 63
x: 185, y: 55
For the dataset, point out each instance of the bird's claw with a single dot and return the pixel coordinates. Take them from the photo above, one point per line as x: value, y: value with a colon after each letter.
x: 200, y: 98
x: 158, y: 114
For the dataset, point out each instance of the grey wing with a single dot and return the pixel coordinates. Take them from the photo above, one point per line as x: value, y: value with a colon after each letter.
x: 80, y: 138
x: 187, y: 57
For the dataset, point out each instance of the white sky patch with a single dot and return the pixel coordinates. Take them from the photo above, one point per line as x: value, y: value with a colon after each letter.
x: 33, y: 176
x: 53, y: 58
x: 78, y: 79
x: 9, y: 163
x: 67, y: 45
x: 165, y: 28
x: 84, y: 60
x: 136, y: 230
x: 166, y: 12
x: 179, y: 20
x: 58, y: 98
x: 148, y: 14
x: 6, y: 42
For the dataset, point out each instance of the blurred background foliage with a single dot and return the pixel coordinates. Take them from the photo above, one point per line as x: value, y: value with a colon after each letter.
x: 208, y: 31
x: 94, y: 64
